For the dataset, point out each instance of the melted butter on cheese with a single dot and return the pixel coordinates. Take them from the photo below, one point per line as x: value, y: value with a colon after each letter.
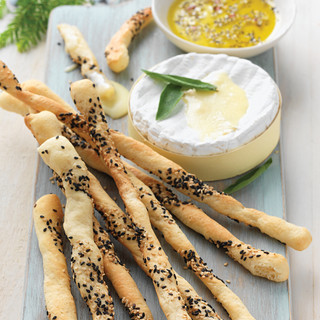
x: 213, y: 114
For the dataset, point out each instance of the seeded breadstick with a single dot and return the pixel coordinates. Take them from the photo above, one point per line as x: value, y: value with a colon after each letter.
x: 114, y: 97
x: 86, y: 259
x: 48, y: 218
x: 296, y: 237
x: 116, y: 51
x: 80, y: 53
x: 132, y: 236
x: 199, y: 308
x: 120, y: 277
x: 173, y: 306
x: 119, y: 224
x: 260, y: 263
x: 8, y: 102
x: 84, y: 94
x: 163, y: 221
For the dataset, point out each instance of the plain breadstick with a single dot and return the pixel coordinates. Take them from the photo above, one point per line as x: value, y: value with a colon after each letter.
x: 86, y: 260
x: 116, y: 51
x: 294, y: 236
x: 120, y: 277
x: 48, y: 218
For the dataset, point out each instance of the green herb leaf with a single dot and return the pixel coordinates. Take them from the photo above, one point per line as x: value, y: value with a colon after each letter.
x: 30, y: 22
x: 248, y: 178
x: 170, y: 96
x: 184, y: 83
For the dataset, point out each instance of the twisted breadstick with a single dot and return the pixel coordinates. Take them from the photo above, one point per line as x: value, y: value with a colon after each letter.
x: 163, y: 221
x: 44, y: 126
x: 120, y: 277
x: 80, y: 53
x: 132, y: 237
x: 116, y: 51
x: 169, y: 297
x: 86, y: 260
x: 260, y: 263
x: 113, y: 95
x: 48, y: 217
x: 294, y: 236
x: 85, y: 95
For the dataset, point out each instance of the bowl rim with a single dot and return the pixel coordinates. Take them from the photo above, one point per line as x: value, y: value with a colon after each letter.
x: 233, y: 51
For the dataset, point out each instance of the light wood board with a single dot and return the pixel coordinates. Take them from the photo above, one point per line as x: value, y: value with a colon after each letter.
x: 265, y: 299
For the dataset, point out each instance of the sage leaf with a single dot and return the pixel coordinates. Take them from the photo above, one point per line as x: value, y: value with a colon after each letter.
x: 184, y: 83
x: 170, y: 96
x: 248, y: 178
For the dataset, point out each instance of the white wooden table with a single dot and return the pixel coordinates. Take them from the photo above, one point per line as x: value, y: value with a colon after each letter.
x: 299, y: 69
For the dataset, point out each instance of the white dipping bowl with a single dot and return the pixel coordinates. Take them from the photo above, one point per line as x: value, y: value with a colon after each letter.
x: 285, y: 10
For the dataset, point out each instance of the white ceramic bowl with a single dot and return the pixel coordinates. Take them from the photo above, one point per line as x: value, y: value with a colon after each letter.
x: 285, y: 9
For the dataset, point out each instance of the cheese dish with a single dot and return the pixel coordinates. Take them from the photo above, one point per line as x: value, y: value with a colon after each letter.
x: 184, y: 135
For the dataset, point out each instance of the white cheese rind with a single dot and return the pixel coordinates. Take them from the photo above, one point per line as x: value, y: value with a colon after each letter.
x: 173, y: 134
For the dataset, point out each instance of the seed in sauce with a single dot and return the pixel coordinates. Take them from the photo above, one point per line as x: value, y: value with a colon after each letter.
x: 222, y: 23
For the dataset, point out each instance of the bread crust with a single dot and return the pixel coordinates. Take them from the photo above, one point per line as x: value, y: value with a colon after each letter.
x: 86, y: 259
x: 48, y: 219
x: 116, y: 51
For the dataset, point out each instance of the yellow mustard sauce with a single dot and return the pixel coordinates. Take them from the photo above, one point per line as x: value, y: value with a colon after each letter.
x: 222, y: 23
x: 214, y: 114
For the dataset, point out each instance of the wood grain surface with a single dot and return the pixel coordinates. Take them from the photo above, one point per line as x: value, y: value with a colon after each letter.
x: 264, y: 299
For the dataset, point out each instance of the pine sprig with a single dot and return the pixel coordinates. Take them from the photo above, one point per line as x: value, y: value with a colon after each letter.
x: 30, y: 22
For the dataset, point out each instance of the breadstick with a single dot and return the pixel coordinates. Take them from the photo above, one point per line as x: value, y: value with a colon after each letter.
x: 116, y: 51
x: 260, y: 263
x: 173, y: 306
x: 48, y: 218
x: 80, y: 53
x: 197, y: 306
x: 9, y: 103
x: 131, y: 236
x: 120, y: 277
x: 294, y: 236
x: 86, y: 260
x: 163, y: 221
x: 114, y: 97
x: 85, y: 95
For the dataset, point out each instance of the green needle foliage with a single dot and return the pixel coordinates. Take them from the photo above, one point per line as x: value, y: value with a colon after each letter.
x: 30, y: 22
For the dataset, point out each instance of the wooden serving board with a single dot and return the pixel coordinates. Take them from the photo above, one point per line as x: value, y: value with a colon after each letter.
x: 265, y: 299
